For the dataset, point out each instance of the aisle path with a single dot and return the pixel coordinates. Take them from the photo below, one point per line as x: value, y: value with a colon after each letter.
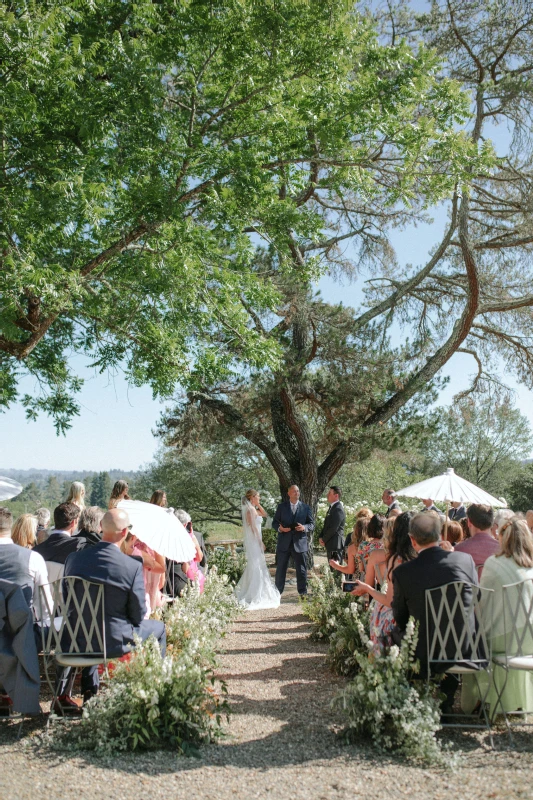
x: 281, y: 742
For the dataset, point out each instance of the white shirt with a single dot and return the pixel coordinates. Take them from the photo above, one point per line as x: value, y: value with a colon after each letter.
x: 39, y: 575
x: 294, y: 506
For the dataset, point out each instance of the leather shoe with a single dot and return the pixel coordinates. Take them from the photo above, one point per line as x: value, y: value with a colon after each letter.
x: 66, y: 706
x: 6, y: 705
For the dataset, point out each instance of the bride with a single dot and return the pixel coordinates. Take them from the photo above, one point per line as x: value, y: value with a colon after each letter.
x: 255, y: 589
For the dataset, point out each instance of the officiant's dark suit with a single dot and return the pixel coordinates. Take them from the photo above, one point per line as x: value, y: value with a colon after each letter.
x: 292, y: 542
x: 333, y: 530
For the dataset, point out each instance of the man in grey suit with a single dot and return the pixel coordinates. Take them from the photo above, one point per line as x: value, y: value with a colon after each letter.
x: 389, y: 498
x: 332, y: 537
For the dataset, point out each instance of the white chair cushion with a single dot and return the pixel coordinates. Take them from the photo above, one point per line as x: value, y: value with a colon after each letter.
x: 71, y: 660
x: 514, y: 662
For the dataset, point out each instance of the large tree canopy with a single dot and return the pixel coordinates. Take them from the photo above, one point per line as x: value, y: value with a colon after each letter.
x: 148, y: 147
x: 349, y: 376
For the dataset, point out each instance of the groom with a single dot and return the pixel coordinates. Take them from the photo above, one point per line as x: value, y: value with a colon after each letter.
x: 293, y: 520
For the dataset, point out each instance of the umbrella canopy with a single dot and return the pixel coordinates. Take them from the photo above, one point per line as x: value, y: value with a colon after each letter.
x: 159, y: 529
x: 449, y: 488
x: 9, y: 488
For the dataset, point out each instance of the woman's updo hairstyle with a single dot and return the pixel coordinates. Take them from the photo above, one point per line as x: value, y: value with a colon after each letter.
x: 248, y: 496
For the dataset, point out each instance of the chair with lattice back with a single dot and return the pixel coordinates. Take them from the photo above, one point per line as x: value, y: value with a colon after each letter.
x: 517, y: 601
x: 458, y: 616
x: 76, y: 636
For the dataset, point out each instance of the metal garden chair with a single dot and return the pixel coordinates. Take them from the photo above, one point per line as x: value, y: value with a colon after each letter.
x: 518, y: 635
x: 458, y: 615
x: 76, y: 636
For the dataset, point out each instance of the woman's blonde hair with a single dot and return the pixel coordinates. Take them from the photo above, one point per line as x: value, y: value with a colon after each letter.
x: 516, y: 541
x: 116, y: 491
x: 76, y: 495
x: 25, y: 530
x: 359, y: 531
x: 157, y: 498
x: 249, y: 494
x: 364, y: 513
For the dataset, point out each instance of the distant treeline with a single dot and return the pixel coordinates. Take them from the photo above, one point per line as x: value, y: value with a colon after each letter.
x: 48, y: 488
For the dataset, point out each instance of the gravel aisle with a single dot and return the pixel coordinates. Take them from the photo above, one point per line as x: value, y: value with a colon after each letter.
x: 281, y: 741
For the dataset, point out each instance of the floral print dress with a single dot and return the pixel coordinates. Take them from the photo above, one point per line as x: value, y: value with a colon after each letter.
x: 363, y: 552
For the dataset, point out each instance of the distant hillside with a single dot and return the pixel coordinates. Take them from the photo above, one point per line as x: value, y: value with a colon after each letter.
x: 41, y: 476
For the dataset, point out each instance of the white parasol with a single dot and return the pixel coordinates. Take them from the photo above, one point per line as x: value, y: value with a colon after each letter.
x: 9, y: 488
x: 159, y: 529
x: 449, y: 488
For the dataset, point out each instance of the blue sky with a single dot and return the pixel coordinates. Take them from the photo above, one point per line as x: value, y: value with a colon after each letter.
x: 114, y: 429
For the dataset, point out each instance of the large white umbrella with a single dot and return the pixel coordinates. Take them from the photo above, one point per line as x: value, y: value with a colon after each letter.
x: 449, y: 488
x: 159, y: 529
x: 9, y: 488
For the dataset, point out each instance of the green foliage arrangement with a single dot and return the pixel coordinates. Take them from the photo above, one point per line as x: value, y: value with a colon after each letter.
x: 325, y: 603
x: 174, y: 702
x: 151, y: 703
x: 349, y: 637
x: 228, y: 564
x: 197, y: 621
x: 270, y: 540
x: 382, y: 704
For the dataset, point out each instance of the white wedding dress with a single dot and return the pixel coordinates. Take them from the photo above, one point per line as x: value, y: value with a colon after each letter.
x: 255, y: 589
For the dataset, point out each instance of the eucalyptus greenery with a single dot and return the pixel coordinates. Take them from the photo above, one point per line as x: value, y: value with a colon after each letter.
x: 382, y: 702
x: 175, y: 702
x: 324, y: 604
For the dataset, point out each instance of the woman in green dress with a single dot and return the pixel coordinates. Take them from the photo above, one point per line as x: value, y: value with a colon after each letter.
x: 514, y: 563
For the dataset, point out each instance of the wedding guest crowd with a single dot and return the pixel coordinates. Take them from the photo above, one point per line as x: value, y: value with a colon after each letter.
x: 98, y: 546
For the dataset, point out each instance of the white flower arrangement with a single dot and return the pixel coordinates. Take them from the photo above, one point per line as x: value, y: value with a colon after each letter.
x: 174, y: 702
x: 383, y: 703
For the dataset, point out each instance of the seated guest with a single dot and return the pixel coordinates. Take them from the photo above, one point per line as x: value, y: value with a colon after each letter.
x: 25, y: 567
x: 43, y: 521
x: 124, y: 594
x: 457, y: 511
x: 61, y: 542
x: 501, y: 516
x: 198, y: 538
x: 192, y: 568
x: 90, y: 527
x: 433, y: 567
x: 398, y: 549
x: 454, y: 532
x: 481, y: 544
x: 512, y: 563
x: 24, y: 531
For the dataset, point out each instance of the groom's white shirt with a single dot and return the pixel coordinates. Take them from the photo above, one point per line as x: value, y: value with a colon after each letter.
x: 294, y: 506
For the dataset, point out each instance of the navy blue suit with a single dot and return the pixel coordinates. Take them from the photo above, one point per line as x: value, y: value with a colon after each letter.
x: 293, y: 543
x: 124, y: 595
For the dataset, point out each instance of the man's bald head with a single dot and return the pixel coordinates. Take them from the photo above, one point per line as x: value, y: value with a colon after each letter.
x: 294, y: 493
x: 425, y: 528
x: 115, y: 525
